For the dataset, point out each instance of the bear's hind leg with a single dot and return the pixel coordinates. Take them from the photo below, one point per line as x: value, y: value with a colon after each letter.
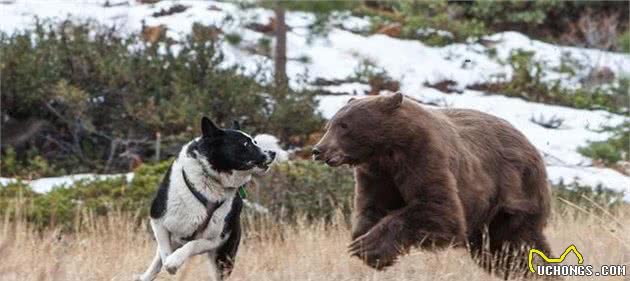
x: 510, y: 238
x: 479, y: 248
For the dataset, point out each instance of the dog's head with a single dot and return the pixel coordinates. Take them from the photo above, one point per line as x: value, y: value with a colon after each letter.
x: 231, y: 149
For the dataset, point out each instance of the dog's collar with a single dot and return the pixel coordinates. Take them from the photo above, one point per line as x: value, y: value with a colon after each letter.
x: 242, y: 192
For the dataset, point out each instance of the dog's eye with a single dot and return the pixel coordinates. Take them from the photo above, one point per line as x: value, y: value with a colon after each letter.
x: 343, y: 125
x: 245, y: 144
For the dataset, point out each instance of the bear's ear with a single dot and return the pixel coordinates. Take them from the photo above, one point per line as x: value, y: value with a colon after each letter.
x: 351, y: 100
x: 393, y: 102
x: 208, y: 129
x: 236, y: 125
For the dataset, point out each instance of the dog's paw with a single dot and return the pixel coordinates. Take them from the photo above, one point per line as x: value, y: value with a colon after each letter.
x: 171, y: 269
x: 138, y: 277
x: 173, y: 262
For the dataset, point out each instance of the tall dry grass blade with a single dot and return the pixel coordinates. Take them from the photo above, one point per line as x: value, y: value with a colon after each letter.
x: 603, y: 210
x: 598, y: 218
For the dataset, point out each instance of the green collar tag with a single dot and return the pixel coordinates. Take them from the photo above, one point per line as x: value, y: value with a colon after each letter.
x: 242, y: 192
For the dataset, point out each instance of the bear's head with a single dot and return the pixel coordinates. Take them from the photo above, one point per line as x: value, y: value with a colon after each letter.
x: 358, y: 130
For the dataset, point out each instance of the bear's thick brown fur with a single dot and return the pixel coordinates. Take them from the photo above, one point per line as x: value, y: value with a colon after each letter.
x: 438, y: 177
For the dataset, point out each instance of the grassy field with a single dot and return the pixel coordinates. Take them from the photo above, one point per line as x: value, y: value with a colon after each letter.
x: 115, y: 248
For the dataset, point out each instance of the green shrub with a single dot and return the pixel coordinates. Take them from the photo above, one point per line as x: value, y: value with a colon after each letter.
x: 602, y: 151
x: 587, y: 198
x: 552, y: 20
x: 624, y: 42
x: 15, y: 199
x: 31, y: 166
x: 306, y: 188
x: 613, y: 150
x: 107, y: 96
x: 291, y: 189
x: 64, y: 206
x: 417, y: 17
x: 527, y: 83
x: 527, y: 78
x: 233, y: 38
x: 324, y: 12
x: 515, y: 14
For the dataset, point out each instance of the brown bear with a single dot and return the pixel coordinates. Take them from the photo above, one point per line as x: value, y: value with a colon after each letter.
x: 438, y: 177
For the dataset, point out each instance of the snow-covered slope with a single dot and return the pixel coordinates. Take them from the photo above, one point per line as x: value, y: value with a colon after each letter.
x: 338, y: 55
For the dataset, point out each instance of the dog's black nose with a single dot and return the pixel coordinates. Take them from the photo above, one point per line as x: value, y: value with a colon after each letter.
x: 272, y: 155
x: 316, y: 151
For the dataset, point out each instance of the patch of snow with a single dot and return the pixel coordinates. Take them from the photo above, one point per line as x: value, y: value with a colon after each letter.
x: 256, y: 207
x: 272, y: 143
x: 43, y: 185
x: 329, y: 105
x: 5, y: 181
x: 590, y: 176
x: 578, y: 128
x: 429, y: 31
x: 552, y: 56
x: 354, y: 24
x: 353, y: 88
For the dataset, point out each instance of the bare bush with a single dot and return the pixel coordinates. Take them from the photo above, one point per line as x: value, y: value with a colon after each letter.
x: 594, y: 31
x: 552, y: 122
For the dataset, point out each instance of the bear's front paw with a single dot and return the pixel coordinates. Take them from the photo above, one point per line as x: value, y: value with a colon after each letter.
x: 377, y: 248
x: 173, y: 262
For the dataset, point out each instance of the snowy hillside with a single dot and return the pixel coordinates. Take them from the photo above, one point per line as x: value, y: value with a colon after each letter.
x: 341, y: 52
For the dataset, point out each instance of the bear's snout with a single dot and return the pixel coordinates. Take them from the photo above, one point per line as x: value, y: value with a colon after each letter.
x: 332, y: 158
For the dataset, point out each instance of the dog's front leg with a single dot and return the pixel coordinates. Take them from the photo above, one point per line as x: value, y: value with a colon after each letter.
x: 163, y: 239
x: 153, y: 269
x: 195, y: 247
x: 215, y: 272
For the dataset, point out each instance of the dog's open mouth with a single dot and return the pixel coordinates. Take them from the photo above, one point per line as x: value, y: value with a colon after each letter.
x: 265, y: 164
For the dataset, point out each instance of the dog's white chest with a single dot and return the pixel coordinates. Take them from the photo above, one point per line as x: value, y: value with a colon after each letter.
x: 218, y: 220
x: 184, y: 222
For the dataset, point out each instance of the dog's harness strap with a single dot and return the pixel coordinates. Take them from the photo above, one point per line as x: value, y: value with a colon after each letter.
x: 204, y: 201
x: 209, y: 205
x: 210, y: 208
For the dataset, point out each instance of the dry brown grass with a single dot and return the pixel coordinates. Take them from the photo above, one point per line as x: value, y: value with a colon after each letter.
x: 114, y: 249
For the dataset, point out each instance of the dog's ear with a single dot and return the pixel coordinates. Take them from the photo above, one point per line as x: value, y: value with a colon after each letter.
x: 236, y: 125
x: 208, y: 129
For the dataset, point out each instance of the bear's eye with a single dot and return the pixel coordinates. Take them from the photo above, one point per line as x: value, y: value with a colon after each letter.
x: 343, y: 125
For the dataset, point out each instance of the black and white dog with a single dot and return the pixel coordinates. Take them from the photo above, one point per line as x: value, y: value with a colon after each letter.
x: 197, y: 207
